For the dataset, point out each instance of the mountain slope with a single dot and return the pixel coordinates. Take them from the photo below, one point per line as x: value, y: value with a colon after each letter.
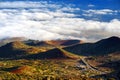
x: 19, y: 48
x: 56, y: 53
x: 101, y: 47
x: 12, y: 49
x: 9, y: 40
x: 37, y: 43
x: 63, y: 42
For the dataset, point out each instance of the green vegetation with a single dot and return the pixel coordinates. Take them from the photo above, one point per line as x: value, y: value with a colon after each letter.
x: 40, y: 70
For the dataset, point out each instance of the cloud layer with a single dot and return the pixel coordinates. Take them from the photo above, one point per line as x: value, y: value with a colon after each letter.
x: 45, y: 21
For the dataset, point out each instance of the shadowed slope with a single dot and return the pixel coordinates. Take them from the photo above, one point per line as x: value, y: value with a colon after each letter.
x: 115, y: 73
x: 12, y: 49
x: 18, y: 48
x: 56, y: 53
x: 101, y: 47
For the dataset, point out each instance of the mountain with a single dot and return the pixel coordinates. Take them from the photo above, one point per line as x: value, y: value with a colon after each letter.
x: 112, y: 41
x: 8, y: 40
x: 102, y: 47
x: 56, y: 53
x: 32, y: 49
x: 64, y: 42
x: 12, y: 49
x: 19, y: 48
x: 43, y: 49
x: 101, y: 57
x: 36, y: 43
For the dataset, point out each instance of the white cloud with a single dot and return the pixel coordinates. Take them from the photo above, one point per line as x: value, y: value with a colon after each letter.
x: 91, y: 12
x: 91, y: 5
x: 69, y: 9
x: 25, y: 4
x: 44, y: 24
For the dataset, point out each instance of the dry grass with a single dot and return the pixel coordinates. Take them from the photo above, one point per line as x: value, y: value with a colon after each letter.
x: 54, y: 69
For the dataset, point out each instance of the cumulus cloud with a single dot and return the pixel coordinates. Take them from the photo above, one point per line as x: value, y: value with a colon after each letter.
x: 100, y: 12
x: 45, y: 24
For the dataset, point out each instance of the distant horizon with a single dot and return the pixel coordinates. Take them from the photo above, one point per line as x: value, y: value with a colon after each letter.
x: 25, y: 39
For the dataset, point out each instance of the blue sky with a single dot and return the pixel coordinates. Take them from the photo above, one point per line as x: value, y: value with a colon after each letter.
x: 87, y: 5
x: 88, y: 20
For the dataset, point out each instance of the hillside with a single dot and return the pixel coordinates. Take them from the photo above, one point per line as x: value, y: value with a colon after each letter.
x: 18, y: 48
x: 67, y: 59
x: 63, y: 42
x: 12, y: 49
x: 9, y: 40
x: 37, y: 43
x: 101, y: 47
x: 40, y: 48
x: 56, y: 53
x: 22, y: 48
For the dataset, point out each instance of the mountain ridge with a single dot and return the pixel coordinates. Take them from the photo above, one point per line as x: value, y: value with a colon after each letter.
x: 102, y: 47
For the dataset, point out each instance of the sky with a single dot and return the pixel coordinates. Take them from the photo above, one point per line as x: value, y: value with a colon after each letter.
x: 88, y: 20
